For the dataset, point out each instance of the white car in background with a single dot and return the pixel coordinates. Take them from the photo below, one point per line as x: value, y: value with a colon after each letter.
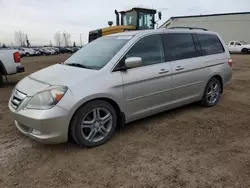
x: 9, y: 63
x: 26, y: 52
x: 239, y: 47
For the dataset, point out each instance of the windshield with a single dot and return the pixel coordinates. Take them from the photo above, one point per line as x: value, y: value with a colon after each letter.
x: 243, y: 42
x: 130, y: 18
x: 98, y: 53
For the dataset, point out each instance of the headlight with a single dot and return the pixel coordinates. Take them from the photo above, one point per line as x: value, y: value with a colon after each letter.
x: 47, y: 99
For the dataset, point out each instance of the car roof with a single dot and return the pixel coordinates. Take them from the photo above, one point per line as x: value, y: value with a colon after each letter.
x: 163, y: 30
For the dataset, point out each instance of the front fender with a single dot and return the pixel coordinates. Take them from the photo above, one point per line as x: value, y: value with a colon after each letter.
x: 71, y: 103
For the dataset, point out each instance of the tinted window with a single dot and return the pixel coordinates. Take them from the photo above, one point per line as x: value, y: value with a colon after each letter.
x: 149, y: 48
x: 98, y: 53
x: 179, y: 46
x: 231, y: 43
x: 210, y: 44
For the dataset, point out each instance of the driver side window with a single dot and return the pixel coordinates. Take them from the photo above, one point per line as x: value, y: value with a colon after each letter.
x: 150, y: 49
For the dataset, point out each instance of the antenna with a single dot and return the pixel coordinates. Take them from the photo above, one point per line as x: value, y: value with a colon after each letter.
x: 162, y: 9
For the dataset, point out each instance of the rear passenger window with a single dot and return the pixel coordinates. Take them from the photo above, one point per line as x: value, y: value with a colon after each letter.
x: 231, y: 43
x: 179, y: 46
x: 210, y: 44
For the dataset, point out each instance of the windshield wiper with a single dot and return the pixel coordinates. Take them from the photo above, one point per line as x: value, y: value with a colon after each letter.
x: 78, y: 65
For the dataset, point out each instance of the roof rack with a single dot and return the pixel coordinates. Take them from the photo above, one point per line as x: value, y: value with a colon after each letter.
x: 188, y: 28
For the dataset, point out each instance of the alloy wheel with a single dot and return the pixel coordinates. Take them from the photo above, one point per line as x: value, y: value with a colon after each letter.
x: 96, y: 124
x: 213, y: 92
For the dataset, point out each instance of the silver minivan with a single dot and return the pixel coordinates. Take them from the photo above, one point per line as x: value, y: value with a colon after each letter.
x: 120, y: 78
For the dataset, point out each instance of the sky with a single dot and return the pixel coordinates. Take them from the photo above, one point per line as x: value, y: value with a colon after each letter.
x: 41, y: 19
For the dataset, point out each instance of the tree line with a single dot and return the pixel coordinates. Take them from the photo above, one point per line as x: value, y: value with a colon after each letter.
x: 60, y: 38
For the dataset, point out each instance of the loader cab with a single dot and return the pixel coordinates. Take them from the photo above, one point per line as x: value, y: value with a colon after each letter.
x: 133, y: 19
x: 139, y: 17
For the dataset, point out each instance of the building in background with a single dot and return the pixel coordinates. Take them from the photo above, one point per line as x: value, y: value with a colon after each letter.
x: 231, y: 26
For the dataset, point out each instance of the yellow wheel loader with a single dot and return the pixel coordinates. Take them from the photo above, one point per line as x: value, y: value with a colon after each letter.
x: 134, y: 19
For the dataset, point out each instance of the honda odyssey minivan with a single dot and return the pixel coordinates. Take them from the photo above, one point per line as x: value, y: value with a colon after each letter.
x: 120, y: 78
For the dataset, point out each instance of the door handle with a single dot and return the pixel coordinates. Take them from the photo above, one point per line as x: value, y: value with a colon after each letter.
x: 179, y: 68
x: 163, y: 71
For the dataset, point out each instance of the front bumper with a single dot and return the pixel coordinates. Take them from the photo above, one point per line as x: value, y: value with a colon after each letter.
x: 46, y: 126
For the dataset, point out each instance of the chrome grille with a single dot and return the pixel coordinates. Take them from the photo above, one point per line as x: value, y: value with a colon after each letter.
x: 17, y: 98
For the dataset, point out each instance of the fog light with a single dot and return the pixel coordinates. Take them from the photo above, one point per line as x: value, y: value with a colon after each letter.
x: 34, y: 131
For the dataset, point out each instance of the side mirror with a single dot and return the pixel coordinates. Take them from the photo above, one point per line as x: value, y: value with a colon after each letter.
x: 159, y: 15
x: 133, y: 62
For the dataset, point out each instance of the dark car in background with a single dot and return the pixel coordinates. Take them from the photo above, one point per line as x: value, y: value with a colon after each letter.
x: 75, y: 49
x: 44, y: 51
x: 64, y: 50
x: 37, y: 52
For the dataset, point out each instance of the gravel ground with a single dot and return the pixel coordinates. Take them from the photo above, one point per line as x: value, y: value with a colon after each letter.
x: 190, y: 146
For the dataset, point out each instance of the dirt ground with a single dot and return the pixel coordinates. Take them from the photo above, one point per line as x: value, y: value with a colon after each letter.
x: 191, y: 146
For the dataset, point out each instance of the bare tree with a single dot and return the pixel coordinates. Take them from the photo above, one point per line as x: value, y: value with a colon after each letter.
x: 58, y: 38
x: 27, y: 40
x: 66, y: 39
x: 20, y: 38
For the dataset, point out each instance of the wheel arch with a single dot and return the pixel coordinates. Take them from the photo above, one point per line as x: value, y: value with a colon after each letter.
x: 113, y: 103
x: 2, y: 69
x: 244, y: 50
x: 217, y: 76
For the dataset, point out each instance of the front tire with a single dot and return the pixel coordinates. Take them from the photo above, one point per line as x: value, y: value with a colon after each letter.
x: 212, y: 93
x: 94, y: 124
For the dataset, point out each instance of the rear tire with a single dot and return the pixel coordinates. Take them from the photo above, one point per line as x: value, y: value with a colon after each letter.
x: 27, y: 54
x: 93, y: 124
x: 244, y: 51
x: 212, y: 93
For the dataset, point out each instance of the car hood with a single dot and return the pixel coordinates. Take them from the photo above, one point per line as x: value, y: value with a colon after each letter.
x: 55, y: 75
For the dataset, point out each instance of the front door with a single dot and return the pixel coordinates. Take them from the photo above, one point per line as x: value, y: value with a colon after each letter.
x: 147, y: 89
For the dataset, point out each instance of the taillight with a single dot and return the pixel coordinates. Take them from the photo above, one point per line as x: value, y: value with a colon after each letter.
x: 230, y: 62
x: 17, y: 58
